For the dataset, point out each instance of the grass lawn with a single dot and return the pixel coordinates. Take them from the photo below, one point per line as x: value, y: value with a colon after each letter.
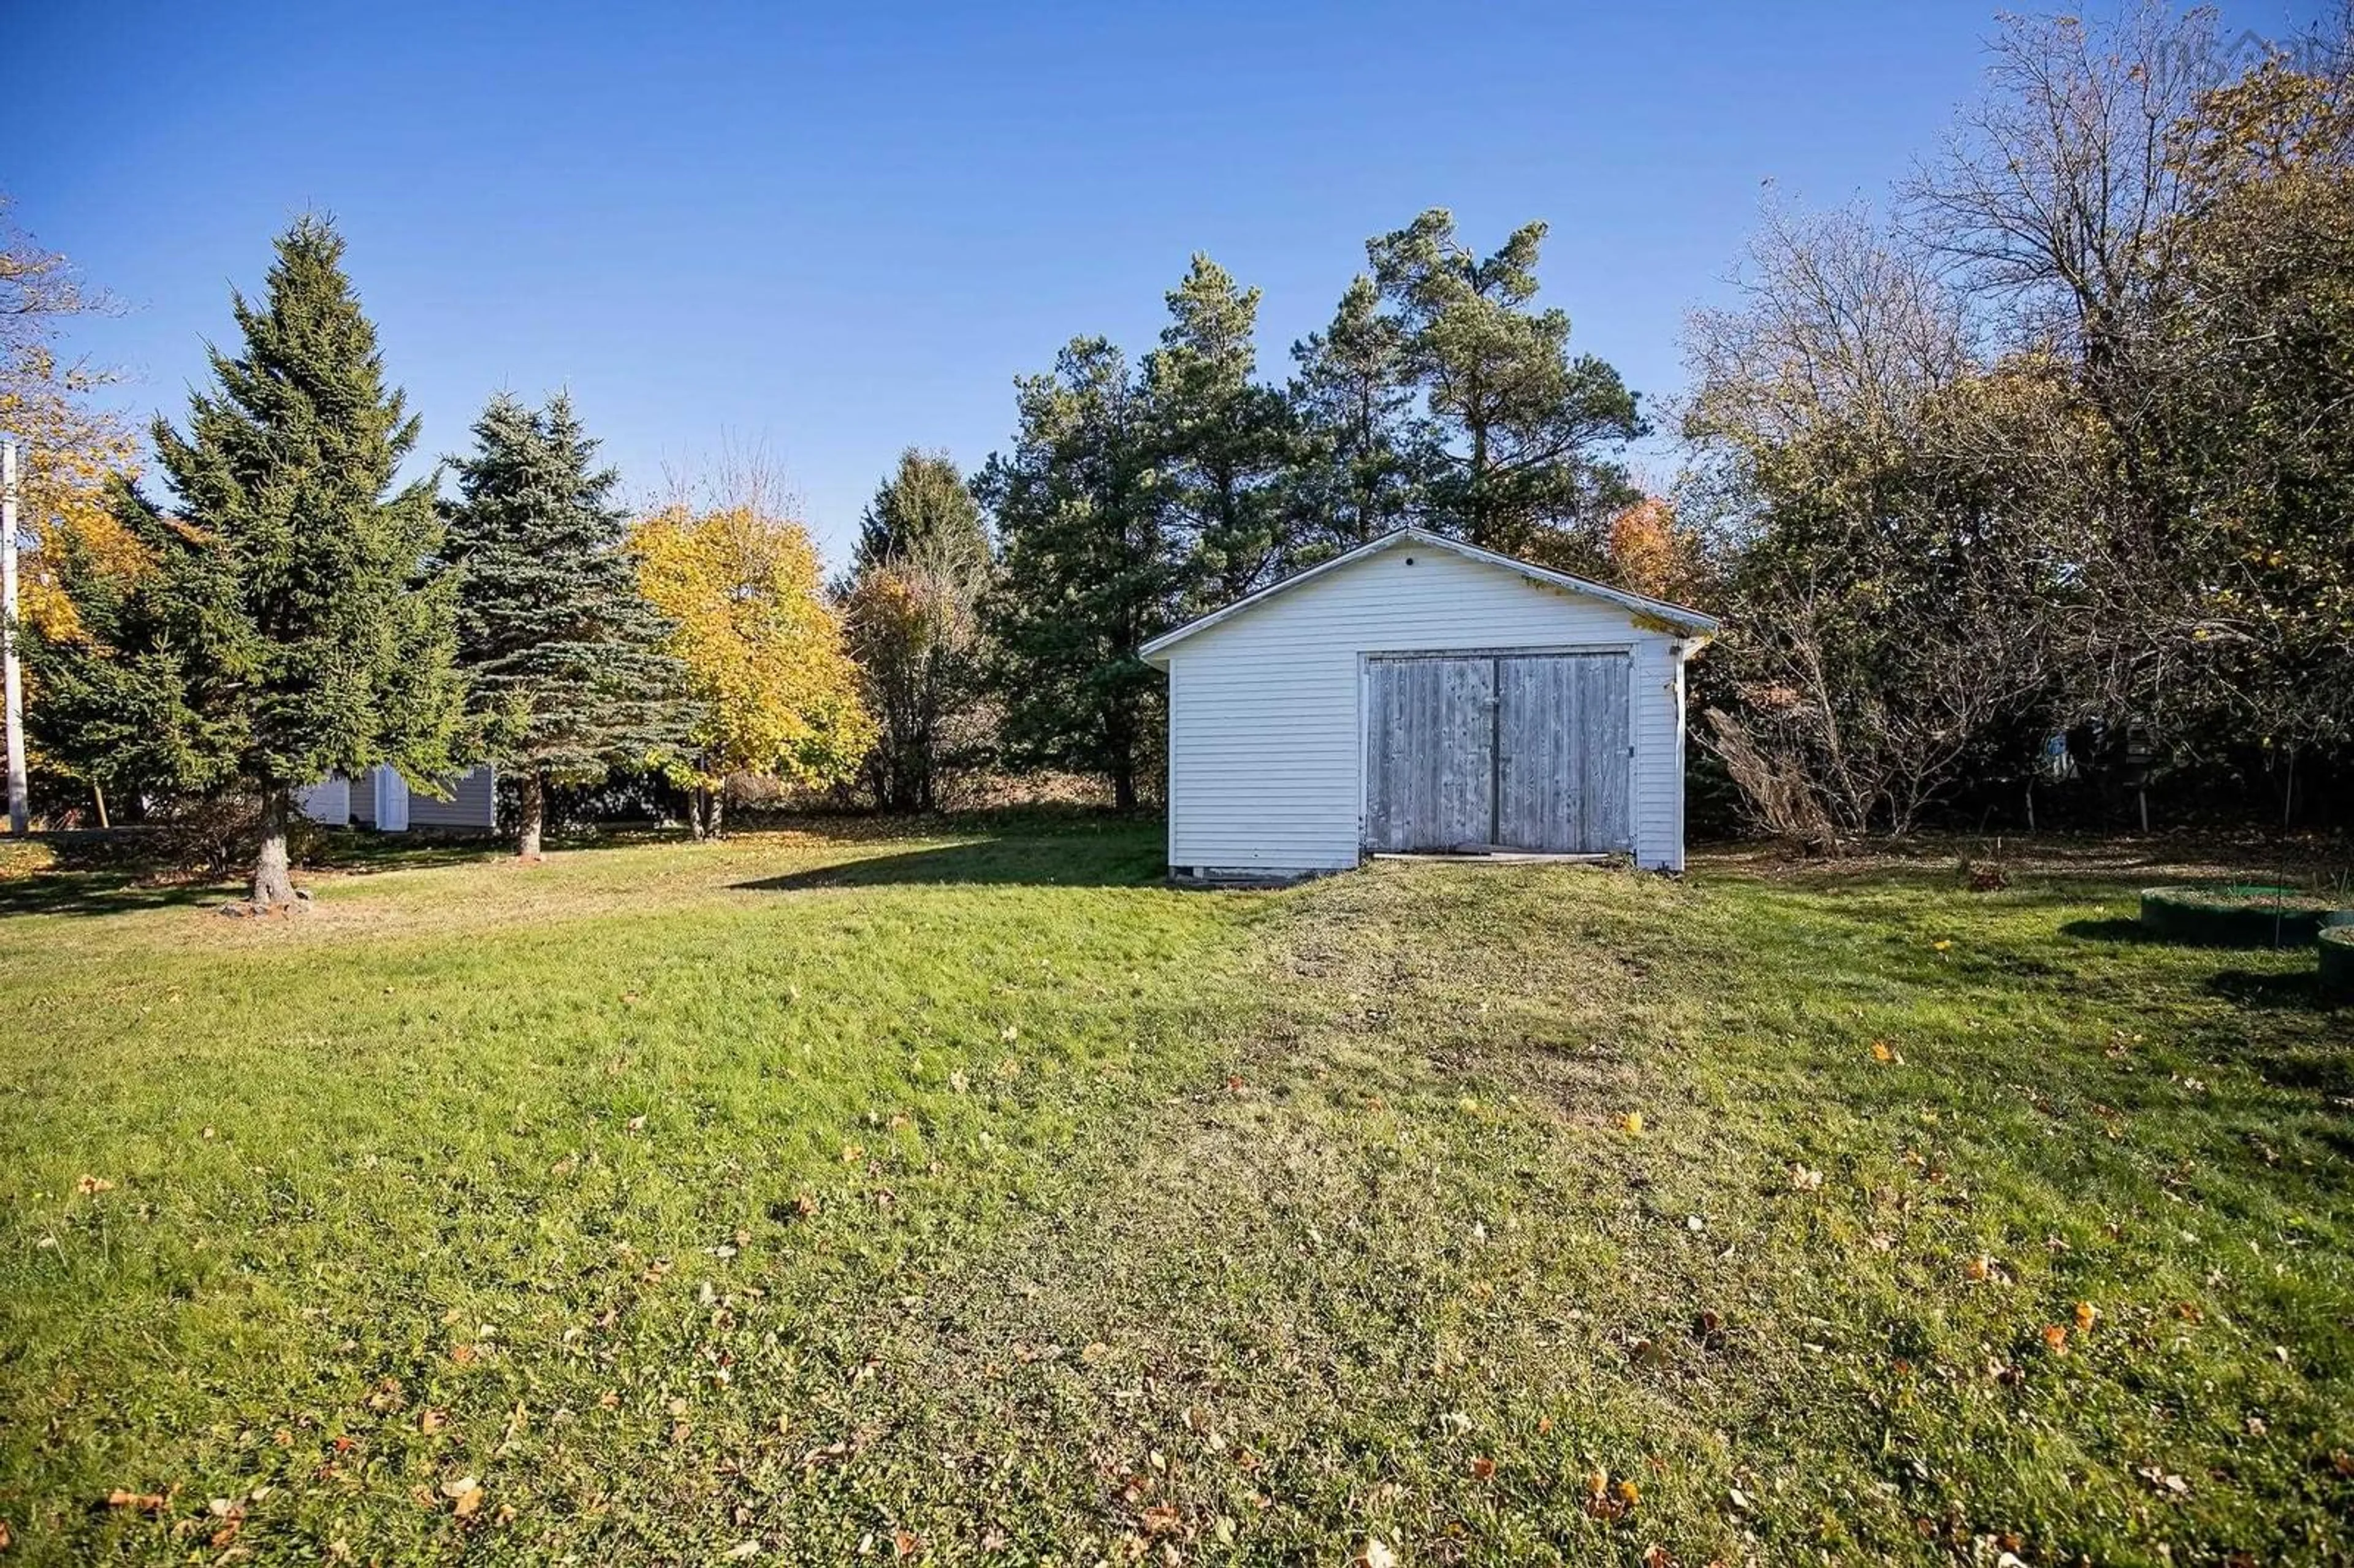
x: 975, y: 1198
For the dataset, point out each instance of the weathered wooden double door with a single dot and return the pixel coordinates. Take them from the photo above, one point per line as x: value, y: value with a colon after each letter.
x: 1513, y: 751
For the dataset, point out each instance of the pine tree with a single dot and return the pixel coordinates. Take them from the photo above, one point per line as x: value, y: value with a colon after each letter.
x: 1526, y: 463
x: 1087, y: 574
x: 1221, y: 441
x: 293, y: 622
x: 569, y: 676
x: 1365, y: 451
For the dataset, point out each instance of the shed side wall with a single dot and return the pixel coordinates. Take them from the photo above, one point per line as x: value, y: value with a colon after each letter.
x: 1266, y: 757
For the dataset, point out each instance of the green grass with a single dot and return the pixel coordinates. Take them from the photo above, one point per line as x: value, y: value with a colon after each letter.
x: 974, y: 1197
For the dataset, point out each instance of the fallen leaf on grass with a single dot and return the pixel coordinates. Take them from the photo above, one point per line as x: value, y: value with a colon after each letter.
x: 89, y: 1185
x: 1161, y: 1518
x: 2162, y: 1481
x: 636, y: 1124
x: 2055, y: 1339
x: 2086, y: 1315
x: 465, y: 1494
x: 1373, y: 1554
x: 741, y: 1551
x: 1632, y: 1122
x: 1803, y: 1179
x: 432, y: 1421
x: 1884, y: 1052
x: 1607, y: 1499
x: 1483, y: 1468
x: 146, y: 1502
x: 904, y: 1543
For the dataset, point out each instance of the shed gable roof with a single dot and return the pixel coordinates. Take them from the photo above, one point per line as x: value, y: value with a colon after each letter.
x: 1676, y: 615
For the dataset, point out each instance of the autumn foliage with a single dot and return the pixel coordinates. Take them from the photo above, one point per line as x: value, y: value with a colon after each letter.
x: 763, y: 651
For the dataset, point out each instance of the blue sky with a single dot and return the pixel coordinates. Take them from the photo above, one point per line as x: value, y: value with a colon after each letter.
x: 838, y: 230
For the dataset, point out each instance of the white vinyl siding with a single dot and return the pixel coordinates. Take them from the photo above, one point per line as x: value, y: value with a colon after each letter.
x: 329, y: 801
x: 1266, y: 753
x: 473, y: 803
x: 382, y: 800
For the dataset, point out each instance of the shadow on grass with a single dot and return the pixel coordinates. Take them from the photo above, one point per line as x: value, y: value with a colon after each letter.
x: 123, y: 870
x: 2257, y: 988
x: 2113, y: 929
x: 1059, y: 861
x: 103, y: 892
x: 352, y: 853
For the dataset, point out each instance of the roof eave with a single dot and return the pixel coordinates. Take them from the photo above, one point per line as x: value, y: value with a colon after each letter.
x: 1690, y: 621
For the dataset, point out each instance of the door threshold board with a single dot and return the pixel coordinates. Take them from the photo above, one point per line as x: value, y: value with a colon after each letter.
x: 1500, y: 856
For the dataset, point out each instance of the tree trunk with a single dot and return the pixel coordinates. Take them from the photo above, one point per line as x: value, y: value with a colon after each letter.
x: 273, y: 885
x: 704, y: 810
x: 533, y: 816
x: 1123, y: 788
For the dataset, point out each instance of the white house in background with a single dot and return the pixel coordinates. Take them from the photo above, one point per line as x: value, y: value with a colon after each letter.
x: 381, y: 798
x: 1418, y: 694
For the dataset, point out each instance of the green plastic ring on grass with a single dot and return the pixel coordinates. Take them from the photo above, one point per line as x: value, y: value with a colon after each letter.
x: 2238, y: 915
x: 2337, y: 962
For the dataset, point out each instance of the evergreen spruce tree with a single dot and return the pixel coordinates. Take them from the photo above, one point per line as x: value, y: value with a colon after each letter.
x: 569, y: 676
x: 925, y: 509
x: 295, y: 622
x: 1087, y: 572
x: 910, y: 616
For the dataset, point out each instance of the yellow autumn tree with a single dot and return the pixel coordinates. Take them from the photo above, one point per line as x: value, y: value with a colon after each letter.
x: 70, y: 450
x: 1652, y: 553
x: 763, y: 651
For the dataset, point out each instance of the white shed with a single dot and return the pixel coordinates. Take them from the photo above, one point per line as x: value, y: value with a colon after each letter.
x: 1419, y: 695
x: 381, y: 798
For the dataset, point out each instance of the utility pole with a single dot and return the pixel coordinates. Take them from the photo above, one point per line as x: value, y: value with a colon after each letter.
x: 20, y: 811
